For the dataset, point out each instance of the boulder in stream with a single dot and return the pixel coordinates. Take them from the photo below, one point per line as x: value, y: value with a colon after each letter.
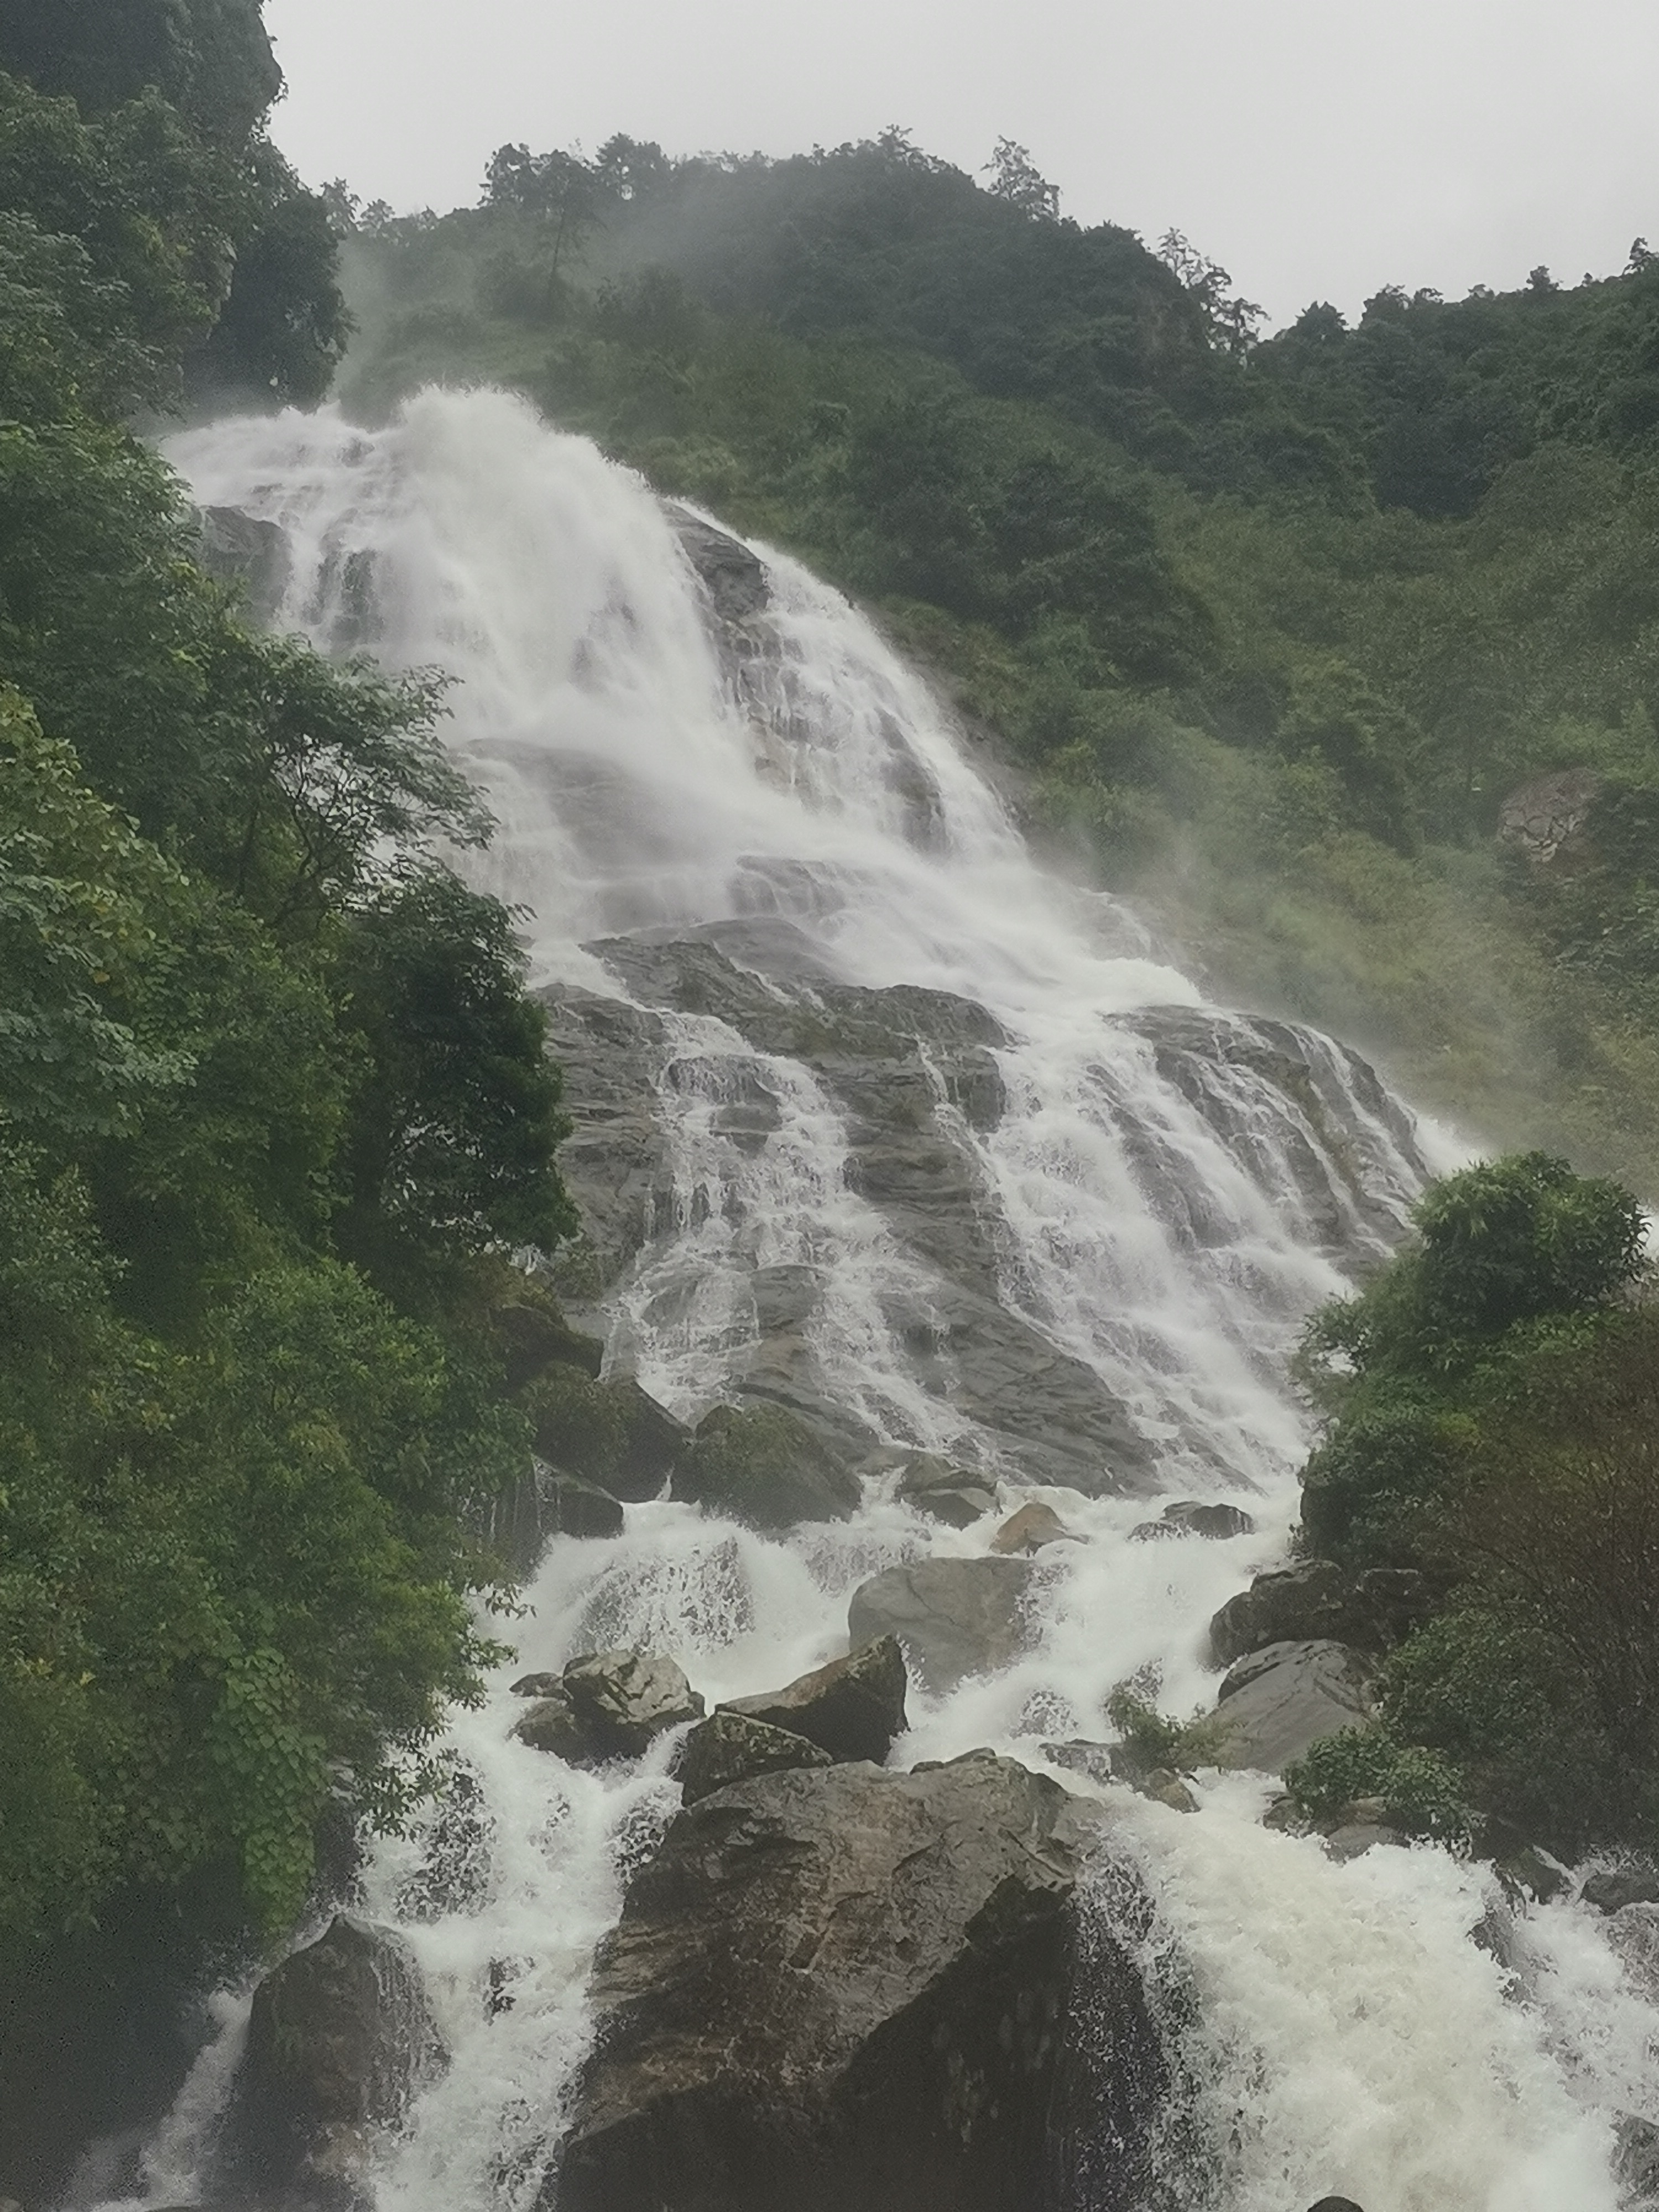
x: 1191, y: 1517
x: 1276, y: 1702
x: 852, y: 1708
x: 1030, y: 1530
x: 956, y: 1495
x: 953, y: 1618
x: 730, y: 1747
x: 340, y: 2039
x: 847, y: 1988
x: 607, y: 1432
x: 606, y: 1705
x: 765, y: 1466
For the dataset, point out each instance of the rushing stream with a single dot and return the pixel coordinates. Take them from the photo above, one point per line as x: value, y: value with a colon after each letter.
x: 1153, y: 1204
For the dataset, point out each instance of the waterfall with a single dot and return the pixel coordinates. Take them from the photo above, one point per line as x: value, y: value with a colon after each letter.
x: 738, y: 815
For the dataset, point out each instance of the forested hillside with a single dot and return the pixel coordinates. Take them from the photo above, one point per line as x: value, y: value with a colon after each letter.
x: 1275, y: 627
x: 272, y: 1102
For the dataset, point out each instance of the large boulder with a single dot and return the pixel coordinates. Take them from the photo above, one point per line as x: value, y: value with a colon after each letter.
x: 938, y: 1487
x: 853, y: 1708
x: 849, y: 1987
x: 243, y: 548
x: 953, y: 1618
x: 730, y: 1747
x: 1317, y: 1600
x: 609, y: 1432
x: 1275, y: 1703
x: 765, y: 1467
x: 1191, y: 1517
x: 606, y: 1705
x: 1029, y: 1530
x: 340, y: 2038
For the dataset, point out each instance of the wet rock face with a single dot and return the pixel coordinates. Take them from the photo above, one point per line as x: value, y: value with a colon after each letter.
x: 852, y: 1708
x: 734, y: 578
x: 953, y: 1618
x: 1277, y: 1702
x: 841, y: 1988
x: 914, y: 1074
x: 340, y: 2039
x: 1294, y: 1107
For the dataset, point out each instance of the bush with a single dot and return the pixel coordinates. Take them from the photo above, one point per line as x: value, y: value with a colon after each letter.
x: 1421, y: 1791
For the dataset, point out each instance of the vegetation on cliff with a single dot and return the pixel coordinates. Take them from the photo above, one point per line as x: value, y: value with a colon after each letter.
x: 1492, y: 1403
x: 1276, y: 626
x: 273, y: 1103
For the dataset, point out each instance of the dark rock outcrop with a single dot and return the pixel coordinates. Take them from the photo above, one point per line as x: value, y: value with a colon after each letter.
x: 734, y: 578
x: 240, y: 549
x: 845, y: 1987
x: 766, y: 1466
x: 730, y: 1747
x: 953, y: 1618
x: 608, y: 1432
x: 852, y: 1708
x: 340, y: 2038
x: 1612, y: 1888
x: 607, y: 1704
x: 1189, y: 1517
x: 1273, y: 1705
x: 1318, y: 1600
x: 572, y: 1507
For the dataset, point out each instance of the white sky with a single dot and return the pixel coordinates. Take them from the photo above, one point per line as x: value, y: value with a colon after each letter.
x: 1320, y: 149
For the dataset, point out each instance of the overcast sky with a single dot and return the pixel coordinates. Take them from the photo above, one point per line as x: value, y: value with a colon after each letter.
x: 1320, y: 149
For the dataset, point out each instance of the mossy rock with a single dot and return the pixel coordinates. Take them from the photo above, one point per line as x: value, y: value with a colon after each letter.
x: 610, y: 1432
x: 763, y: 1466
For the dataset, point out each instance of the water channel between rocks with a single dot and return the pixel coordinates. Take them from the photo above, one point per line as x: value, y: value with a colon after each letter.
x: 878, y: 1121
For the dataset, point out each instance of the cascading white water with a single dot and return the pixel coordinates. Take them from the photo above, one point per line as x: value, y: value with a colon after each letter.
x: 1348, y: 2037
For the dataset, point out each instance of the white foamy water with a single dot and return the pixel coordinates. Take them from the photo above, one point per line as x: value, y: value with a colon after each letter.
x: 1167, y: 1234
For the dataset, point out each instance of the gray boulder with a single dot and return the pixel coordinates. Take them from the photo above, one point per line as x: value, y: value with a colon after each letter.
x: 953, y: 1618
x: 845, y: 1987
x: 1277, y: 1701
x: 955, y: 1495
x: 1355, y: 1837
x: 626, y: 1699
x: 853, y: 1708
x: 608, y: 1705
x: 765, y: 1467
x: 340, y: 2039
x: 1317, y: 1600
x: 1189, y: 1517
x: 1031, y: 1530
x: 729, y: 1747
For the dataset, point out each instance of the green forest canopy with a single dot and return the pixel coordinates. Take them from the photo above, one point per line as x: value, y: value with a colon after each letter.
x: 1276, y: 625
